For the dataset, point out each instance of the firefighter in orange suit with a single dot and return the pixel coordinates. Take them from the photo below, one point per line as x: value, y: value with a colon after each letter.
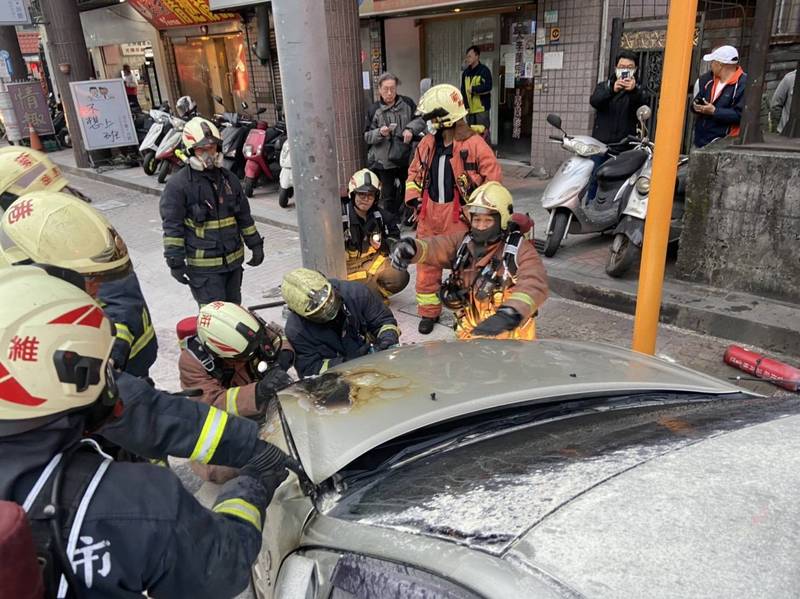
x: 239, y: 363
x: 498, y: 280
x: 447, y: 167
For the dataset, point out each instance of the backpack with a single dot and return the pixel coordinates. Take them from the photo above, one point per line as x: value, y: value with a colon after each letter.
x: 33, y: 549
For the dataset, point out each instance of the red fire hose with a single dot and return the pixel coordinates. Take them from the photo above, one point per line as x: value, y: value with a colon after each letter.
x: 771, y: 370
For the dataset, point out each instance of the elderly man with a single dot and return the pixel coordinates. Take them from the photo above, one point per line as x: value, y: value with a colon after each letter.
x: 720, y: 98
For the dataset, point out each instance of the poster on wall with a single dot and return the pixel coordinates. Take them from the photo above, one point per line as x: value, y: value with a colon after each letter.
x: 14, y: 12
x: 104, y: 113
x: 508, y: 57
x: 30, y: 107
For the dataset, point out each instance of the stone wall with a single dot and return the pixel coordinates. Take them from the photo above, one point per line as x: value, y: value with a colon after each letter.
x: 742, y: 222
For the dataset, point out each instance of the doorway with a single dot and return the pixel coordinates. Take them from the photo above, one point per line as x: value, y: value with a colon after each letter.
x: 213, y: 66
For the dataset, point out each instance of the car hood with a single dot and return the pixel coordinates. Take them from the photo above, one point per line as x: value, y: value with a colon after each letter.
x: 351, y: 409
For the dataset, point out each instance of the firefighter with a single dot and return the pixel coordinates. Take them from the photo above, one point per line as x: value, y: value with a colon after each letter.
x: 498, y: 280
x: 205, y: 216
x: 57, y: 228
x: 134, y: 527
x: 369, y: 234
x: 332, y: 321
x: 238, y: 361
x: 23, y: 170
x: 448, y: 166
x: 153, y: 424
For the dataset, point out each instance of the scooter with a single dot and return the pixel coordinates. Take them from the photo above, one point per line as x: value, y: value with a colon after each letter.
x: 170, y: 152
x: 235, y: 128
x: 625, y: 249
x: 565, y: 197
x: 286, y: 181
x: 59, y: 121
x: 162, y: 124
x: 262, y: 151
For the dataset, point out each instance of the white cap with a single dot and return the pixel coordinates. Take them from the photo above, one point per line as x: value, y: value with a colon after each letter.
x: 724, y: 55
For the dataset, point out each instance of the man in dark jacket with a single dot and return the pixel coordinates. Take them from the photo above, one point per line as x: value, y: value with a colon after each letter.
x: 136, y: 529
x: 616, y: 101
x: 476, y: 89
x: 719, y: 102
x: 389, y: 139
x: 333, y: 321
x: 205, y: 216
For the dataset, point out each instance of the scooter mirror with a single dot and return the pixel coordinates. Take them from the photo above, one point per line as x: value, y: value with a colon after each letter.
x: 643, y: 113
x: 261, y: 110
x: 554, y: 120
x: 244, y: 105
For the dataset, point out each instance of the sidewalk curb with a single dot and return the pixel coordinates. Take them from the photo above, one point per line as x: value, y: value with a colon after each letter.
x: 727, y: 326
x: 109, y: 180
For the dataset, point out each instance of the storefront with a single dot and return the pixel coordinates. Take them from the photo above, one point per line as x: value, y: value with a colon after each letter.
x: 505, y: 35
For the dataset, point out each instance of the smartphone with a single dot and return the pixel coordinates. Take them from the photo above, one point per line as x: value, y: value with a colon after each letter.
x: 625, y: 75
x: 700, y: 101
x: 392, y: 126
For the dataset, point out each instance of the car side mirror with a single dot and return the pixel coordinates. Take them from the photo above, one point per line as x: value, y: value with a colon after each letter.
x: 554, y: 120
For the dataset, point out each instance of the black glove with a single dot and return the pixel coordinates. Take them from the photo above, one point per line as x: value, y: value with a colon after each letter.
x: 364, y: 349
x: 119, y: 353
x: 178, y: 270
x: 414, y: 203
x: 267, y: 388
x: 386, y: 341
x: 506, y: 319
x: 258, y: 255
x: 286, y: 359
x: 269, y: 466
x: 402, y: 253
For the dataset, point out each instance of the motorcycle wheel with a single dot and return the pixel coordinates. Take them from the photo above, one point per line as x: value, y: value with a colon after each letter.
x: 284, y: 195
x: 248, y: 186
x: 149, y: 163
x: 64, y: 138
x: 626, y: 255
x: 163, y: 170
x: 553, y: 241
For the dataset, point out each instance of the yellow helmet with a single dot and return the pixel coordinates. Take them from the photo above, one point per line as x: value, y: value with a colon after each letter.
x: 58, y: 228
x: 364, y: 181
x: 200, y: 132
x: 23, y: 170
x: 492, y: 198
x: 310, y: 295
x: 443, y: 105
x: 230, y: 331
x: 55, y: 346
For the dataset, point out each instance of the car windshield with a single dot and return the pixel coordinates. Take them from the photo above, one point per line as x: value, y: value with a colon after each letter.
x: 485, y: 483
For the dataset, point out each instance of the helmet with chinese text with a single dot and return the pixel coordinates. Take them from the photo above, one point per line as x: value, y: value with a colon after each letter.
x: 23, y: 170
x: 230, y: 331
x: 55, y: 348
x: 442, y: 105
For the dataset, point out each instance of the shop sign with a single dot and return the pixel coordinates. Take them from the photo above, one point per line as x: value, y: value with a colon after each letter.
x: 163, y: 14
x: 551, y: 16
x: 555, y: 35
x: 30, y: 107
x: 14, y: 12
x: 104, y: 113
x: 135, y: 49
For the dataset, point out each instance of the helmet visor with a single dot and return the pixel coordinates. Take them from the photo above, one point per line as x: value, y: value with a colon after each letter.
x: 324, y: 305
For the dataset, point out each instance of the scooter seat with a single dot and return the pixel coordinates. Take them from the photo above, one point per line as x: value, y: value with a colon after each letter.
x: 622, y: 166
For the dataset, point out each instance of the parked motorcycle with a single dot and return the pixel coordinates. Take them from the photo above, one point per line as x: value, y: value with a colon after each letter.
x: 59, y: 121
x: 170, y: 152
x: 625, y: 249
x: 262, y: 150
x: 286, y: 181
x: 234, y: 130
x: 565, y: 197
x: 162, y: 124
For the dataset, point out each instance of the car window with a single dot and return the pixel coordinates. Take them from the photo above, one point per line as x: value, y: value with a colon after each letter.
x: 361, y: 577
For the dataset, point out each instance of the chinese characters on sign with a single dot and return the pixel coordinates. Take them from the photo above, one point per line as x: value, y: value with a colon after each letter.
x: 164, y: 14
x: 14, y: 12
x: 30, y: 107
x: 104, y: 113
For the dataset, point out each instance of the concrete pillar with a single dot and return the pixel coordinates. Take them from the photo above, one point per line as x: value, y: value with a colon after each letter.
x: 344, y: 46
x: 300, y: 27
x: 756, y: 69
x: 67, y: 46
x: 10, y: 43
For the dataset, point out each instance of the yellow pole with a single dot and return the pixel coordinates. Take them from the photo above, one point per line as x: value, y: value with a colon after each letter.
x: 671, y: 114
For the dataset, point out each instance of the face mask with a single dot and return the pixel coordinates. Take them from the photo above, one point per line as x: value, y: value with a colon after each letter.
x: 206, y: 162
x: 432, y: 129
x: 487, y: 236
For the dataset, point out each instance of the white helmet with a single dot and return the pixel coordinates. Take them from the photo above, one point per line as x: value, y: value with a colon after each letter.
x: 230, y: 331
x: 442, y: 105
x: 185, y: 106
x: 55, y: 347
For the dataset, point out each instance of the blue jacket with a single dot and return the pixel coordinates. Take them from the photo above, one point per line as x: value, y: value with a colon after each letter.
x: 135, y: 347
x: 728, y: 109
x: 364, y: 319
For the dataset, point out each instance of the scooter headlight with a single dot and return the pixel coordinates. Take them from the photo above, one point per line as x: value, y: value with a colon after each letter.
x: 248, y: 151
x: 643, y: 185
x: 584, y: 149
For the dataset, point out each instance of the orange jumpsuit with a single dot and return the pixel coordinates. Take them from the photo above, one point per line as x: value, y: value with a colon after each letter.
x: 526, y: 291
x: 445, y: 216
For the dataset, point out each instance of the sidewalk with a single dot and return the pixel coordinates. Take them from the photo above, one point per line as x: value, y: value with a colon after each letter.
x: 577, y: 272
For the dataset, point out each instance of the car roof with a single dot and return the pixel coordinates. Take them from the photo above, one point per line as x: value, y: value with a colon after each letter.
x: 353, y: 408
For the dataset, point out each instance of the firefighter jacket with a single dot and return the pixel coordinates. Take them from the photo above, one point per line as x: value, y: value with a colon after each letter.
x: 135, y: 528
x: 524, y: 290
x: 205, y: 216
x: 363, y: 320
x: 368, y: 241
x: 135, y: 347
x: 472, y: 163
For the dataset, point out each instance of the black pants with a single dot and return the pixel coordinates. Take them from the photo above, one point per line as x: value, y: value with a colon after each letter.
x: 216, y: 287
x: 391, y: 191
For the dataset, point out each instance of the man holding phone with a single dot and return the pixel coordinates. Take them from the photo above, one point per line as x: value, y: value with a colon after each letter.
x: 616, y: 101
x: 719, y: 101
